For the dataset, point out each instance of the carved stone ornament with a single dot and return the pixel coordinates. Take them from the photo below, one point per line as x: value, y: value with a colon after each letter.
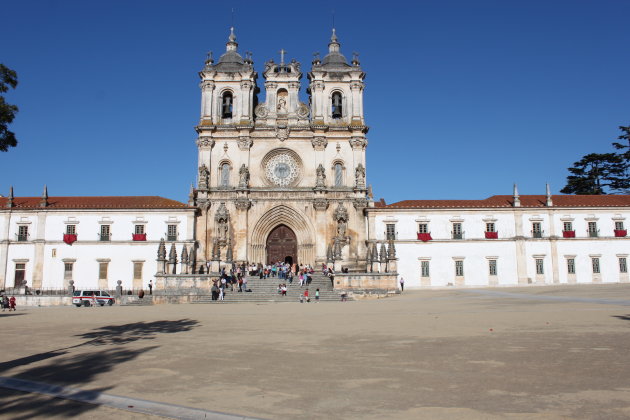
x: 302, y: 110
x: 319, y: 143
x: 242, y: 203
x: 203, y: 204
x: 221, y: 217
x: 243, y: 176
x: 205, y: 142
x: 320, y: 204
x: 341, y: 216
x: 359, y: 174
x: 320, y: 180
x: 282, y: 170
x: 245, y: 85
x: 282, y: 132
x: 244, y: 143
x: 360, y: 203
x: 341, y: 213
x: 204, y: 175
x: 261, y: 111
x: 358, y: 143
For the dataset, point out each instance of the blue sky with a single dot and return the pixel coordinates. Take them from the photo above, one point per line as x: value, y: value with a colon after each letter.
x: 463, y: 97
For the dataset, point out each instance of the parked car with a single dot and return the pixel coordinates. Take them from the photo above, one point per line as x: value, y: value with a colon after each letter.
x: 92, y: 297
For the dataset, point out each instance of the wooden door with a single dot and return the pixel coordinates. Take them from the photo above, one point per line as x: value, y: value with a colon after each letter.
x: 281, y: 245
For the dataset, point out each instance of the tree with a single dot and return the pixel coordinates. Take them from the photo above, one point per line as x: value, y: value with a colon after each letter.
x: 592, y: 174
x: 621, y: 177
x: 8, y: 78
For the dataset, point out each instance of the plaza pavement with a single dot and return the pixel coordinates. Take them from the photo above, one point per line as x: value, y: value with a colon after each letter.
x: 554, y: 352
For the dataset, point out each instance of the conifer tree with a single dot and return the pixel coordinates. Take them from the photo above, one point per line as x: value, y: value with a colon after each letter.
x: 8, y: 78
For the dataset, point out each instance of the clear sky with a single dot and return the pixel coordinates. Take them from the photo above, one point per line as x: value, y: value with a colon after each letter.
x: 463, y: 97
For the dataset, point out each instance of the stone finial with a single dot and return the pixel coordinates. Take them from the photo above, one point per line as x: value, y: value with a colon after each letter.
x: 10, y: 198
x: 191, y: 195
x: 391, y: 251
x: 329, y: 254
x: 184, y: 255
x: 383, y: 253
x: 172, y: 255
x: 374, y: 253
x: 548, y: 202
x: 517, y: 199
x: 216, y: 252
x: 44, y: 200
x: 161, y: 251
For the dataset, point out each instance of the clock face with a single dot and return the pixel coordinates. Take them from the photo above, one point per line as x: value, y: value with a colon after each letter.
x: 281, y: 170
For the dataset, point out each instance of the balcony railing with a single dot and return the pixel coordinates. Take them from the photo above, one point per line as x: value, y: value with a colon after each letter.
x: 22, y: 237
x: 621, y: 233
x: 568, y: 234
x: 424, y: 237
x: 139, y: 236
x: 537, y: 233
x: 171, y: 238
x: 105, y: 237
x: 457, y: 235
x: 492, y: 235
x: 69, y: 238
x: 593, y: 233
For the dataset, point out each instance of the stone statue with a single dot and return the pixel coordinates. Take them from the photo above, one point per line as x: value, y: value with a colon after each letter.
x: 204, y: 175
x: 282, y: 105
x: 321, y: 176
x: 359, y: 174
x: 243, y: 177
x: 341, y: 228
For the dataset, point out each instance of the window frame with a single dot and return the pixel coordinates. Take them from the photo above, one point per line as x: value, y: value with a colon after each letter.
x: 570, y: 265
x: 459, y: 268
x: 492, y: 267
x: 425, y: 268
x: 596, y: 265
x: 540, y: 266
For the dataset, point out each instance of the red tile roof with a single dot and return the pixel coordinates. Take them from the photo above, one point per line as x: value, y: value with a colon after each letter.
x: 132, y: 202
x: 505, y: 201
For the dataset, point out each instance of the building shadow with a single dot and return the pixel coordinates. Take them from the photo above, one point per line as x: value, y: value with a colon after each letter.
x: 127, y: 333
x: 623, y: 317
x: 2, y: 314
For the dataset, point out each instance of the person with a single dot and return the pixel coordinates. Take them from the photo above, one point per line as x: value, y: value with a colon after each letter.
x: 214, y: 290
x: 240, y: 284
x: 316, y: 295
x: 150, y: 287
x: 12, y: 304
x: 221, y: 291
x: 5, y: 303
x: 245, y: 283
x: 306, y: 298
x: 402, y: 284
x: 290, y: 277
x: 284, y: 290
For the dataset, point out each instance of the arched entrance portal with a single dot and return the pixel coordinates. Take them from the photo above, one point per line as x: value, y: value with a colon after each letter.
x: 281, y: 245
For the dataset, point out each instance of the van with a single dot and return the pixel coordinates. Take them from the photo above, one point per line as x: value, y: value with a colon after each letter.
x: 92, y: 297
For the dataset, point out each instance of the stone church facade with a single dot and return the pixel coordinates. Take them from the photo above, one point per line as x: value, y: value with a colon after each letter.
x: 281, y: 180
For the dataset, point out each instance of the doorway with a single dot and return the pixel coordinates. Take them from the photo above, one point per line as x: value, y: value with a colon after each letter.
x: 281, y: 245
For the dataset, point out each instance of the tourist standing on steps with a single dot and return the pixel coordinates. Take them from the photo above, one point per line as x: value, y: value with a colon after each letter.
x: 245, y: 283
x: 150, y: 287
x: 317, y: 296
x: 306, y: 298
x: 12, y: 304
x: 402, y: 284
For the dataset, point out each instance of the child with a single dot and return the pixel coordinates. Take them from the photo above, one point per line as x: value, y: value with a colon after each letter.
x: 12, y: 304
x: 308, y: 299
x: 316, y: 295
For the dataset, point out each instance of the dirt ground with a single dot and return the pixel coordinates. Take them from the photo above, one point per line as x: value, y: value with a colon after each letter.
x: 521, y: 353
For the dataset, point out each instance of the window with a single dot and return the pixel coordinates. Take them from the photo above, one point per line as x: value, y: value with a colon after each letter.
x: 171, y: 233
x: 22, y: 233
x: 571, y: 265
x: 619, y: 225
x: 20, y: 274
x: 226, y: 105
x: 490, y: 227
x: 67, y: 270
x: 225, y: 175
x: 592, y: 229
x: 492, y: 267
x: 459, y: 268
x: 338, y: 174
x: 424, y: 266
x: 105, y: 232
x: 71, y: 229
x: 623, y: 265
x: 139, y: 229
x: 457, y: 231
x: 137, y: 271
x: 595, y: 264
x: 423, y: 228
x: 568, y: 226
x: 540, y: 268
x: 537, y: 230
x: 102, y: 270
x: 391, y: 231
x: 337, y: 105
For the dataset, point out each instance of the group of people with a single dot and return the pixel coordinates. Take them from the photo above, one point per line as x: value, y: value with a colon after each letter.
x: 306, y: 297
x: 8, y: 303
x: 230, y: 278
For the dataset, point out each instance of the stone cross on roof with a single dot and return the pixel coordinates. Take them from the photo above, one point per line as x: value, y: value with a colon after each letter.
x: 282, y: 53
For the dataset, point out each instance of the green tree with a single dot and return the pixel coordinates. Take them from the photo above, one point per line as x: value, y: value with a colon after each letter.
x: 8, y: 78
x: 592, y: 174
x: 621, y: 176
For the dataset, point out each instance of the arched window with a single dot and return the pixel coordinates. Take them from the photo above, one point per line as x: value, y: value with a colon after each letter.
x: 225, y: 175
x: 337, y: 105
x: 226, y: 105
x: 338, y: 174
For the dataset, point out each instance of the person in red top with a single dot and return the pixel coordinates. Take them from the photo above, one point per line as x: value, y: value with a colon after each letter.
x: 12, y: 304
x: 306, y: 296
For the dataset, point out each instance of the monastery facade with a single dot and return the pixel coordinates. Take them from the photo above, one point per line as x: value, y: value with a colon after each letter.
x: 283, y: 180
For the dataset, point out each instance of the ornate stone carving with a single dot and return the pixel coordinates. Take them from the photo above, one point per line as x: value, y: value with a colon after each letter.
x: 245, y: 85
x: 319, y: 143
x: 302, y: 110
x: 391, y: 251
x: 205, y: 142
x: 320, y: 179
x: 358, y: 143
x: 383, y: 253
x: 320, y: 204
x: 282, y: 132
x: 221, y: 218
x: 216, y: 251
x: 242, y: 203
x: 243, y: 177
x: 261, y: 111
x: 207, y: 85
x: 359, y: 175
x: 161, y: 251
x: 203, y: 204
x: 341, y: 217
x: 282, y: 170
x: 360, y: 203
x: 172, y: 255
x: 204, y: 175
x: 356, y: 85
x: 281, y: 108
x: 244, y: 143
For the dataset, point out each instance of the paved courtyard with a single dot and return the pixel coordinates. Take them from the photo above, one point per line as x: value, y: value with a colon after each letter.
x: 519, y: 353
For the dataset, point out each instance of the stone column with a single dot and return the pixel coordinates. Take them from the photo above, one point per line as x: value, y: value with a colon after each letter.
x: 242, y: 205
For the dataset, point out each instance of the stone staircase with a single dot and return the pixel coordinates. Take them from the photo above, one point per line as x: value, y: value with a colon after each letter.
x: 266, y: 290
x: 147, y: 300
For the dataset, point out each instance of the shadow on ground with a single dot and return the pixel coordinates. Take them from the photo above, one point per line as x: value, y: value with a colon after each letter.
x: 623, y: 317
x: 62, y: 367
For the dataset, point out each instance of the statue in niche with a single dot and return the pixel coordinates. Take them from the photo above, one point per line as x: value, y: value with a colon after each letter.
x: 243, y: 176
x: 223, y: 228
x: 321, y: 176
x: 204, y: 175
x: 360, y: 176
x: 341, y: 228
x: 282, y: 105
